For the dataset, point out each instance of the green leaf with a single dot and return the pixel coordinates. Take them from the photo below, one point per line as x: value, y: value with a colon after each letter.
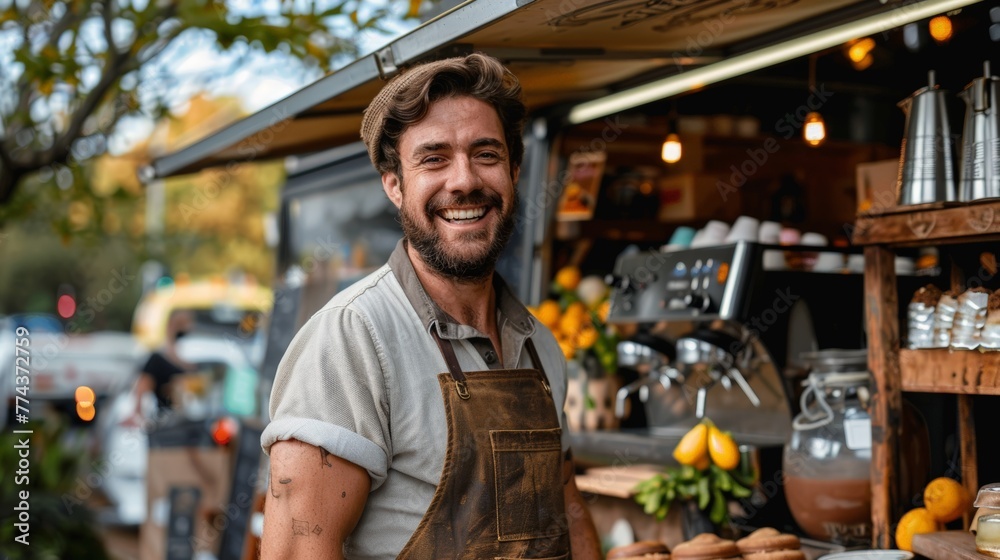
x: 653, y: 503
x: 718, y: 513
x: 723, y: 479
x: 704, y: 493
x: 741, y: 491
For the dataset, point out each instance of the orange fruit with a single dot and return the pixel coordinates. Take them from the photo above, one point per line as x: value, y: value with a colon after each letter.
x: 567, y: 348
x: 586, y: 337
x: 723, y: 450
x: 603, y: 310
x: 568, y: 278
x: 914, y: 522
x: 574, y: 319
x: 946, y: 499
x: 548, y: 313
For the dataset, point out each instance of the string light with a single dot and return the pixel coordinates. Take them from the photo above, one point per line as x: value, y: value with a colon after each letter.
x: 941, y: 29
x: 860, y: 53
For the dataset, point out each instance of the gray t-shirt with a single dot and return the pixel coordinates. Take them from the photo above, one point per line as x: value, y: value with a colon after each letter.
x: 360, y: 380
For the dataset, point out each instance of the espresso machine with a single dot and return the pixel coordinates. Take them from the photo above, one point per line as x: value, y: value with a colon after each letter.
x: 719, y: 367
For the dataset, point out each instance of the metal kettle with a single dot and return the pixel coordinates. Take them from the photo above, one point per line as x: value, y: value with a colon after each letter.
x: 980, y: 166
x: 926, y: 172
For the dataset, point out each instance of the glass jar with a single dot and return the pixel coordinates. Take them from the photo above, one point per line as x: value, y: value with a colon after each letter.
x: 827, y: 460
x: 988, y: 536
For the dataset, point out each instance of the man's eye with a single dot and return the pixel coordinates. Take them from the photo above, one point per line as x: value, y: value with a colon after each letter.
x: 488, y: 155
x: 433, y: 159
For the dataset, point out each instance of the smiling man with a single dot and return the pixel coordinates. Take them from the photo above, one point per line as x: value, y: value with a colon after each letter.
x: 419, y: 413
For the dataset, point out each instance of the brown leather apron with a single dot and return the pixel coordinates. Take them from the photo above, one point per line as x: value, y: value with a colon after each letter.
x: 501, y: 489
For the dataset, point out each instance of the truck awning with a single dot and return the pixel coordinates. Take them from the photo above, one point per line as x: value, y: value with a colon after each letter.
x: 563, y: 51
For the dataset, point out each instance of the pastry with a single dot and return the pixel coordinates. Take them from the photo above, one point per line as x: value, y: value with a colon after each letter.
x: 770, y: 544
x: 706, y: 546
x: 642, y: 550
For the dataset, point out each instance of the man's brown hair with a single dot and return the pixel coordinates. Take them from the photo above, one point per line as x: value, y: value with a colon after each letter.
x: 406, y: 99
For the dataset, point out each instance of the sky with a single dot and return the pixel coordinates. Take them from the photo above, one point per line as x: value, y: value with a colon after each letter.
x: 257, y: 79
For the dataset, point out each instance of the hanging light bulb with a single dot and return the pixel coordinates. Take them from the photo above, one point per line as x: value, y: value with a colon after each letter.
x: 814, y: 131
x: 941, y: 29
x: 671, y: 152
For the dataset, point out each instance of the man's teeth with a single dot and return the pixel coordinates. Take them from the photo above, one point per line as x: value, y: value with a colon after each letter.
x: 463, y: 214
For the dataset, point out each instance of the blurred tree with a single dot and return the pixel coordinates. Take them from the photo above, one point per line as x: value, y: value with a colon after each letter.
x: 96, y: 229
x: 76, y: 69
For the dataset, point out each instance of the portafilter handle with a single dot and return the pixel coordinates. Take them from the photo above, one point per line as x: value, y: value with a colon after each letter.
x: 737, y: 376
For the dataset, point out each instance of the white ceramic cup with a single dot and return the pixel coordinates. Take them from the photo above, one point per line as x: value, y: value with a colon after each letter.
x: 829, y: 262
x: 789, y: 236
x: 769, y: 232
x: 774, y: 260
x: 813, y: 239
x: 716, y: 231
x: 743, y: 229
x: 856, y: 263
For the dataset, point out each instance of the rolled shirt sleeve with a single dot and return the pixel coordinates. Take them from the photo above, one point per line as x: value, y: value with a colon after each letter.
x: 330, y: 391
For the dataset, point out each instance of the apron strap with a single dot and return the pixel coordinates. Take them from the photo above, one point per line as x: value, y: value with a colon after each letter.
x: 452, y: 361
x: 448, y: 351
x: 537, y: 362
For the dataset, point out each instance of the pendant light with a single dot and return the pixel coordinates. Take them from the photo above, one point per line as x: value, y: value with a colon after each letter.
x: 814, y: 128
x: 671, y: 150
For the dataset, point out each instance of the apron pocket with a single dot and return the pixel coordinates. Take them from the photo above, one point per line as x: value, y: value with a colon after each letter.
x: 529, y: 489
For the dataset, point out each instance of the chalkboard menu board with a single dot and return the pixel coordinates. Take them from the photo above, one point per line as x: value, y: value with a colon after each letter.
x: 282, y: 328
x: 184, y: 502
x: 242, y: 493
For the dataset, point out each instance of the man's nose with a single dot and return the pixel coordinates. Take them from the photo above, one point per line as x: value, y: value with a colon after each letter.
x: 464, y: 177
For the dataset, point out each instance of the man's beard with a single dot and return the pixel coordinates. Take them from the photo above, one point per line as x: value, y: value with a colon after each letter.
x: 426, y: 240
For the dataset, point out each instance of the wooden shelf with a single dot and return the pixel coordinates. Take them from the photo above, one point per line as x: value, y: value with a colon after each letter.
x: 947, y: 545
x: 960, y: 372
x: 946, y: 222
x: 639, y: 231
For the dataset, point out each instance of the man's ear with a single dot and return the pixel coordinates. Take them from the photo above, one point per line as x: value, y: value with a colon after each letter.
x: 515, y: 174
x: 393, y: 188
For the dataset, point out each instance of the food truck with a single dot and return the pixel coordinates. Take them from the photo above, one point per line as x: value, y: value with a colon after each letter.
x: 777, y: 232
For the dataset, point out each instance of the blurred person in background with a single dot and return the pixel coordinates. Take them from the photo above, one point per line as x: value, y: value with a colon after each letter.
x: 375, y: 453
x: 163, y: 364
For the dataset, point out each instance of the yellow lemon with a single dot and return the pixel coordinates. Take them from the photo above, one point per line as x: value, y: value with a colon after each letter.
x: 693, y: 447
x: 946, y: 499
x: 724, y: 451
x: 568, y: 278
x: 914, y: 522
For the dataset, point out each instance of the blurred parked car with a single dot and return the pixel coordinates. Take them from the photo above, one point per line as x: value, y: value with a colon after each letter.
x: 232, y: 311
x: 59, y: 363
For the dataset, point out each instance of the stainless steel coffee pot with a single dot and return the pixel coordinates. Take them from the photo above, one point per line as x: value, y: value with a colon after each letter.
x: 926, y: 172
x: 980, y: 166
